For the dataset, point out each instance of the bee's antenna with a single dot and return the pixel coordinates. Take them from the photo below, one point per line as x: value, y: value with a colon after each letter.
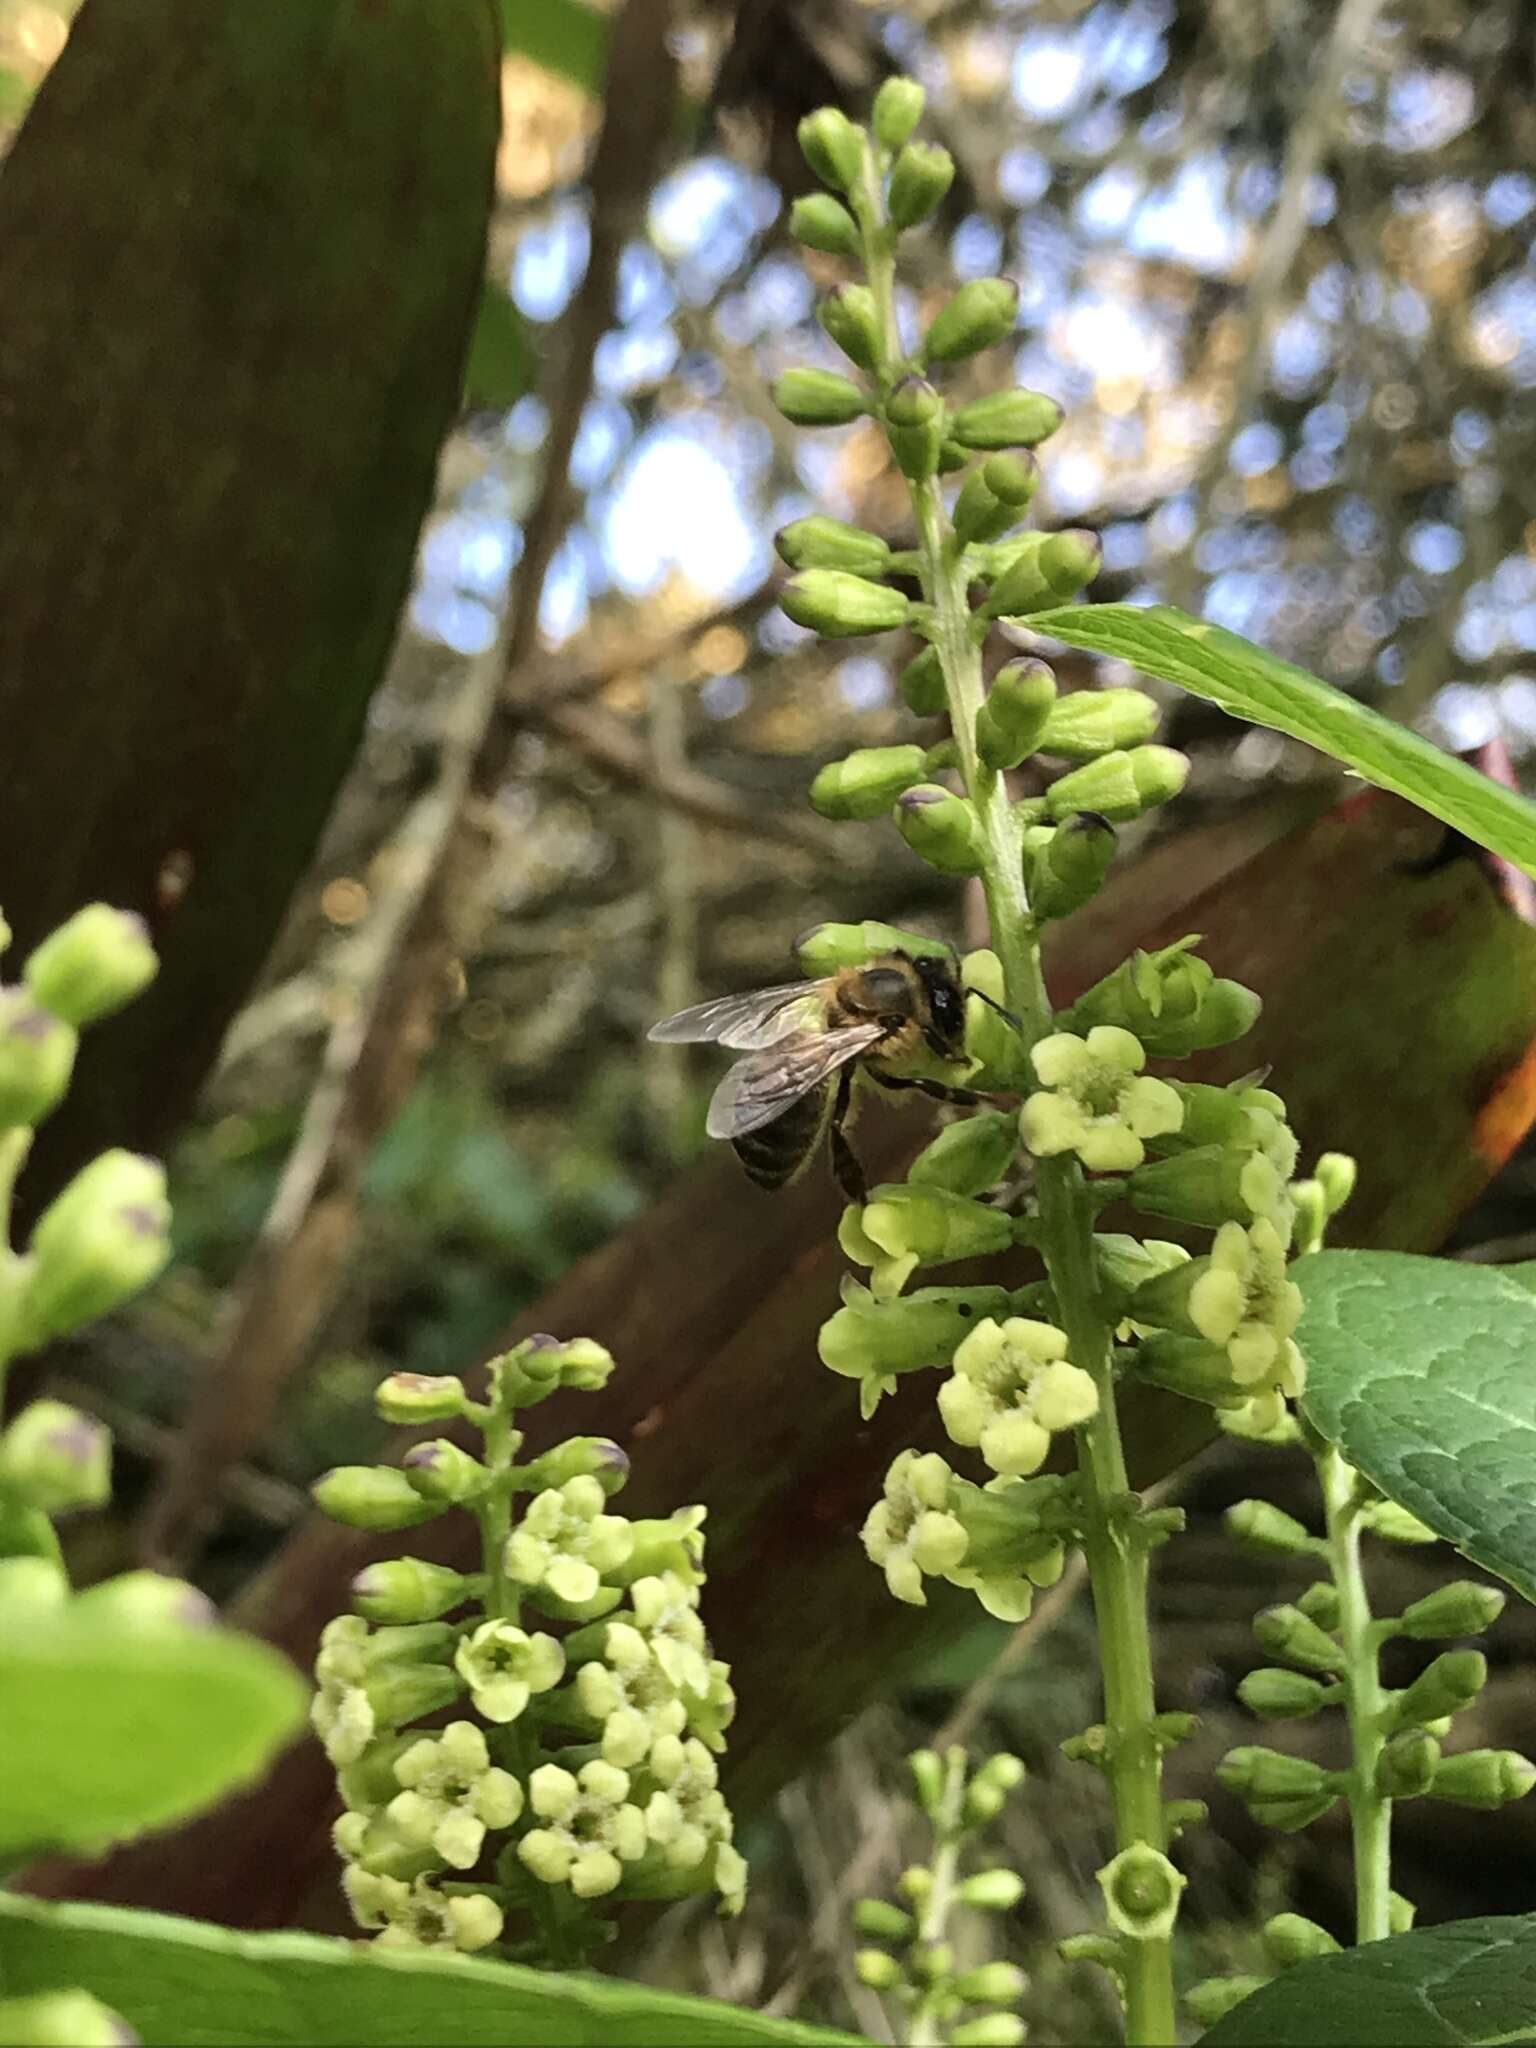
x: 1007, y: 1015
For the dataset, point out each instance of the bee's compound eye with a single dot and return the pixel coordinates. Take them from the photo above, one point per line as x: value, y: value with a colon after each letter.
x: 884, y: 989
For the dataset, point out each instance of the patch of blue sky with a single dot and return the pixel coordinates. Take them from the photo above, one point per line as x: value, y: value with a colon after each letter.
x: 644, y: 289
x: 1076, y: 480
x: 1051, y: 73
x: 1171, y: 525
x: 976, y: 247
x: 1408, y: 311
x: 1426, y: 108
x: 863, y: 683
x: 1356, y: 524
x: 1239, y: 600
x: 526, y: 425
x: 1509, y: 198
x: 1471, y: 432
x: 630, y: 359
x: 1433, y: 546
x: 724, y: 696
x: 1300, y: 352
x: 1106, y: 203
x: 550, y: 261
x: 1503, y: 324
x: 678, y: 507
x: 1255, y: 448
x: 1190, y: 220
x: 461, y: 623
x: 1313, y: 469
x: 705, y: 218
x: 1514, y: 581
x: 1124, y: 542
x: 606, y: 430
x: 1467, y: 714
x: 1517, y: 703
x: 1023, y: 176
x: 1479, y: 633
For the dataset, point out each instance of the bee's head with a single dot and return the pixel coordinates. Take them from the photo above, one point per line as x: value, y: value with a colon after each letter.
x: 946, y: 1003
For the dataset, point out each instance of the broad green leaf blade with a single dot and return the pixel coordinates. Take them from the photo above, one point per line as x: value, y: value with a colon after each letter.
x: 1162, y: 641
x: 565, y: 36
x: 1469, y: 1985
x: 501, y: 363
x: 106, y: 1730
x: 186, y: 1984
x: 1423, y: 1371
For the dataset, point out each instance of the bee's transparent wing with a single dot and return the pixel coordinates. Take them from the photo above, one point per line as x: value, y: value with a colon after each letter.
x: 746, y: 1023
x: 765, y: 1084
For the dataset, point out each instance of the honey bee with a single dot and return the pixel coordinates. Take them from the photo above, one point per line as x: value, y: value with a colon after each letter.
x: 803, y: 1042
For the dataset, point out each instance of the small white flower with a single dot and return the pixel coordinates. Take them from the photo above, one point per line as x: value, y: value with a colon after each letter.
x: 1095, y: 1100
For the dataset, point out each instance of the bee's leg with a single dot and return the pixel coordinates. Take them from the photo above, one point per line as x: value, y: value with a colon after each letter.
x: 939, y: 1090
x: 846, y: 1170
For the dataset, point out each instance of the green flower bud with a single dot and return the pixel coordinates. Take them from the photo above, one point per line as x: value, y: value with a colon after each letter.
x: 1174, y: 1003
x: 1190, y: 1366
x: 1276, y: 1695
x: 931, y: 1962
x: 873, y: 1341
x: 1209, y: 1186
x: 897, y: 110
x: 1044, y: 569
x: 980, y: 514
x: 1287, y: 1633
x: 922, y: 174
x: 1141, y: 1893
x: 1291, y: 1938
x: 992, y: 1891
x: 1394, y: 1523
x: 822, y: 222
x: 916, y: 1884
x: 1451, y: 1682
x: 578, y: 1456
x: 921, y: 684
x: 968, y: 1157
x: 883, y: 1921
x: 37, y: 1056
x: 1267, y: 1527
x: 399, y: 1693
x: 839, y: 606
x: 409, y: 1589
x: 1066, y: 866
x: 928, y: 1778
x: 54, y: 1458
x: 1463, y: 1608
x: 1259, y: 1776
x: 542, y: 1364
x: 1013, y: 476
x: 991, y: 1984
x: 442, y: 1471
x: 1400, y: 1913
x: 1010, y: 722
x: 1406, y: 1766
x: 818, y: 398
x: 1006, y: 419
x: 872, y: 1966
x: 1335, y: 1173
x: 850, y: 318
x: 822, y: 543
x: 1321, y: 1603
x: 63, y: 2019
x: 372, y: 1497
x: 148, y: 1600
x: 1484, y: 1778
x: 1120, y: 785
x: 928, y: 1226
x: 93, y: 964
x: 826, y: 947
x: 989, y: 1038
x: 1107, y: 1950
x: 942, y: 828
x: 833, y: 147
x: 30, y: 1586
x: 1091, y: 722
x: 991, y: 2030
x: 866, y: 782
x: 1179, y: 1814
x: 409, y: 1397
x: 980, y: 313
x: 1214, y: 1997
x: 914, y: 415
x: 97, y: 1243
x: 1171, y: 1728
x: 1124, y: 1263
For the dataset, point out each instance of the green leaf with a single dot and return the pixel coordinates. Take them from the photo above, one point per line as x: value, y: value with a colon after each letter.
x: 1162, y: 641
x: 1421, y: 1371
x: 186, y: 1984
x: 111, y: 1729
x: 501, y: 361
x: 562, y: 35
x: 1469, y: 1985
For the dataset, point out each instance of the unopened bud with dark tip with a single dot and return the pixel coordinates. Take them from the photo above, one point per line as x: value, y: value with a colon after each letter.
x: 442, y: 1471
x: 979, y: 514
x: 850, y: 317
x: 1406, y: 1765
x: 866, y: 782
x: 1044, y: 569
x: 37, y: 1057
x: 1463, y: 1608
x: 914, y: 417
x: 818, y: 398
x: 579, y: 1457
x: 1258, y: 1775
x: 920, y: 177
x: 822, y: 543
x: 840, y: 606
x: 821, y: 222
x: 101, y: 1240
x: 1484, y: 1778
x: 968, y: 1157
x: 372, y: 1497
x: 1451, y: 1682
x: 540, y: 1365
x: 1287, y: 1633
x: 833, y: 147
x: 980, y: 313
x: 98, y: 960
x: 897, y: 110
x: 881, y: 1920
x: 1068, y: 867
x: 55, y: 1458
x: 1120, y: 785
x: 1291, y: 1938
x: 407, y: 1397
x: 148, y: 1600
x: 409, y: 1589
x: 1007, y: 419
x: 1321, y: 1603
x: 1092, y: 722
x: 921, y: 684
x: 942, y: 828
x: 1276, y: 1695
x: 1010, y: 722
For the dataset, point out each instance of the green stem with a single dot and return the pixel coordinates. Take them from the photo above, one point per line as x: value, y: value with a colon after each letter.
x: 1117, y: 1560
x: 933, y: 1922
x: 1370, y: 1810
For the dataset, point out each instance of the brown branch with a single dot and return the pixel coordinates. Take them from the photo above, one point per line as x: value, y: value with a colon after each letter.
x: 374, y: 1056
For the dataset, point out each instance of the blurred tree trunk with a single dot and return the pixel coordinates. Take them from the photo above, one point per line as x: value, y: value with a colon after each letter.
x: 242, y: 248
x: 1401, y: 1019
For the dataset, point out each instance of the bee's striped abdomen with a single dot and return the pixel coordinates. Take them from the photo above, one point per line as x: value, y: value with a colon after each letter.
x: 775, y: 1153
